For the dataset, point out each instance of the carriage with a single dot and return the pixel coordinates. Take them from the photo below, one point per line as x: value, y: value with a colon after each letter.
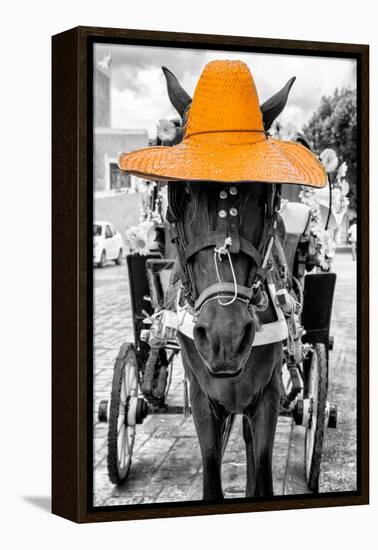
x: 269, y: 334
x: 143, y: 368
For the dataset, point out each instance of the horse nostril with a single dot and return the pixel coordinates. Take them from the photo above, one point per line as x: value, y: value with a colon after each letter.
x: 200, y: 333
x: 246, y: 339
x: 206, y: 339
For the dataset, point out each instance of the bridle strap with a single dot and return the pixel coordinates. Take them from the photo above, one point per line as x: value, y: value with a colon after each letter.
x: 258, y: 272
x: 269, y: 230
x: 222, y: 290
x: 212, y: 239
x: 205, y: 241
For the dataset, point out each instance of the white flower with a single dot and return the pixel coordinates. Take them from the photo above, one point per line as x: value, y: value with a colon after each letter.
x: 345, y: 187
x: 166, y: 130
x: 341, y: 173
x: 329, y: 160
x: 140, y: 237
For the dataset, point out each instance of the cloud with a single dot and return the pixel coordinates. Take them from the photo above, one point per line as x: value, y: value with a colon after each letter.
x: 139, y: 96
x: 135, y: 110
x: 128, y: 61
x: 315, y: 77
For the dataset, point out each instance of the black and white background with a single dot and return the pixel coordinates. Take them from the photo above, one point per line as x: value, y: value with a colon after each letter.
x: 130, y: 98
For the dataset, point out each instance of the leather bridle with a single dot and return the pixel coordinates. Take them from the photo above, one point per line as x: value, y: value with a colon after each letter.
x: 224, y: 241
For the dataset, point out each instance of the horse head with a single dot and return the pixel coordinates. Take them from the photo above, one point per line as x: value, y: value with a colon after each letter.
x: 225, y: 326
x: 222, y: 228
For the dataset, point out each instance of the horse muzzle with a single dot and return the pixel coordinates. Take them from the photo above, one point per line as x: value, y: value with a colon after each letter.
x: 224, y: 338
x: 224, y: 371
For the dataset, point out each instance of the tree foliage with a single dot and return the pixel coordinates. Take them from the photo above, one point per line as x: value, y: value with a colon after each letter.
x: 334, y: 125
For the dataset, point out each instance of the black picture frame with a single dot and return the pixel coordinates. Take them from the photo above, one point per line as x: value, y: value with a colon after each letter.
x: 72, y: 105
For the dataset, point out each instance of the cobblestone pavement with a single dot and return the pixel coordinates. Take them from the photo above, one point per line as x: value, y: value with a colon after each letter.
x: 166, y: 464
x: 339, y: 457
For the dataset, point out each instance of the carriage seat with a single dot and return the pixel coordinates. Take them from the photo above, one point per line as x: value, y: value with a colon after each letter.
x: 296, y: 218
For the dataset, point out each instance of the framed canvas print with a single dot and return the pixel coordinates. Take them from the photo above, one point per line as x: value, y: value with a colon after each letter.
x: 210, y: 274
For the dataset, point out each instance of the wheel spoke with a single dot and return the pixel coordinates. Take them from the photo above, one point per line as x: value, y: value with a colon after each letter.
x: 124, y: 448
x: 121, y: 424
x: 133, y: 387
x: 120, y: 438
x: 130, y: 377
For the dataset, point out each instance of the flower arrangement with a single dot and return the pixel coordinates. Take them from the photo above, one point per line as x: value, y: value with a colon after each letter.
x: 141, y: 238
x: 340, y: 189
x: 325, y: 244
x: 323, y: 241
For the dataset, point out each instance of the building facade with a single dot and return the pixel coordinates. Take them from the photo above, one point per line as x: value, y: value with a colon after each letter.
x: 109, y: 142
x: 116, y: 197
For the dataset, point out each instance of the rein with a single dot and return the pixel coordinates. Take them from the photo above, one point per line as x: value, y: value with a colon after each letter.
x: 225, y: 241
x: 218, y: 253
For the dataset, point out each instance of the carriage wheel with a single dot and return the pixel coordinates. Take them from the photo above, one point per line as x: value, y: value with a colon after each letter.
x: 122, y: 421
x: 317, y: 384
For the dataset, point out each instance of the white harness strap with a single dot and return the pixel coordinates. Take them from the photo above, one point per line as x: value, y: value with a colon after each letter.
x: 269, y: 333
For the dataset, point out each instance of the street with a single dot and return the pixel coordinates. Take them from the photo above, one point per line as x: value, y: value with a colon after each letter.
x: 166, y: 464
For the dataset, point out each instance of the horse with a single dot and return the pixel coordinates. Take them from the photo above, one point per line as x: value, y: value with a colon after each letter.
x: 226, y: 373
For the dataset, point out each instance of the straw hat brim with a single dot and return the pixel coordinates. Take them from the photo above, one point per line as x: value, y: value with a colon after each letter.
x: 267, y: 160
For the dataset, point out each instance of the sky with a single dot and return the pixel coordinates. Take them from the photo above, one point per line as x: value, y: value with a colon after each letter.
x: 139, y: 96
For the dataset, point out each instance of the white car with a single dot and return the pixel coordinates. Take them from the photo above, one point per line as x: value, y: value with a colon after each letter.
x: 107, y: 244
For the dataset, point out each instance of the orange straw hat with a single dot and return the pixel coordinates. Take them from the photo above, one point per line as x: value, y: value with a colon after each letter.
x: 225, y: 141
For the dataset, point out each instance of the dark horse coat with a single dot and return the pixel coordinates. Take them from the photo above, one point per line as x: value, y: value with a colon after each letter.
x: 227, y: 374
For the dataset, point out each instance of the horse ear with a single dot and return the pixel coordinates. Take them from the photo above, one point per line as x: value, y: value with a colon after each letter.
x: 176, y: 93
x: 301, y: 138
x: 275, y: 104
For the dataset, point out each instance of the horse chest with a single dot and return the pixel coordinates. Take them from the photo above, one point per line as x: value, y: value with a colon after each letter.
x: 235, y: 395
